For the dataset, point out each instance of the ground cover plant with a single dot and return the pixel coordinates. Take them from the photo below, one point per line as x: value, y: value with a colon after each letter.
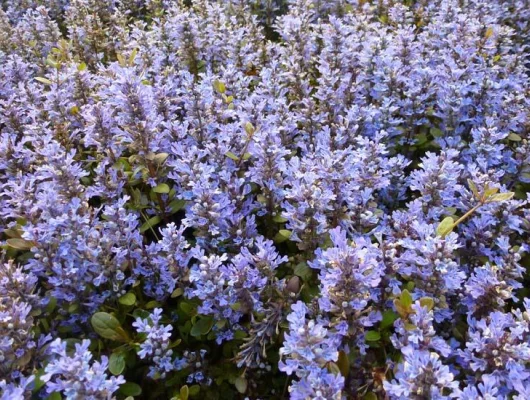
x: 264, y: 199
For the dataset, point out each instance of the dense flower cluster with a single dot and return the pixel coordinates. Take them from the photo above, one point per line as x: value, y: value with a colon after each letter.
x: 222, y: 198
x: 75, y: 377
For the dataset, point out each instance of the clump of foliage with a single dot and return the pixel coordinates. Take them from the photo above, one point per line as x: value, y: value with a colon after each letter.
x: 264, y: 199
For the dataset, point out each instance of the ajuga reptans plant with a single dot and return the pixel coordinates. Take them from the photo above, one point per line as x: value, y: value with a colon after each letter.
x: 264, y: 199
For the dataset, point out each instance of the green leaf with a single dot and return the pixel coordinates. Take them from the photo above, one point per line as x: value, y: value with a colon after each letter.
x: 344, y: 363
x: 177, y: 205
x: 409, y: 327
x: 370, y: 396
x: 52, y: 303
x: 132, y: 56
x: 427, y: 302
x: 128, y: 299
x: 219, y: 86
x: 202, y: 327
x: 278, y: 218
x: 445, y: 227
x: 232, y: 156
x: 389, y: 316
x: 152, y: 304
x: 121, y: 60
x: 402, y: 311
x: 194, y: 390
x: 333, y: 368
x: 139, y: 313
x: 241, y: 384
x: 150, y: 223
x: 249, y: 129
x: 177, y: 292
x: 54, y: 396
x: 160, y: 158
x: 372, y: 336
x: 282, y: 236
x: 500, y: 197
x: 239, y: 334
x: 473, y: 188
x: 116, y: 363
x: 303, y: 271
x: 161, y: 188
x: 435, y: 132
x: 488, y: 192
x: 421, y: 139
x: 406, y: 298
x: 130, y: 389
x: 38, y: 382
x: 184, y: 392
x: 107, y: 326
x: 187, y: 308
x: 73, y: 307
x: 514, y: 137
x: 43, y: 80
x: 20, y: 244
x: 81, y: 67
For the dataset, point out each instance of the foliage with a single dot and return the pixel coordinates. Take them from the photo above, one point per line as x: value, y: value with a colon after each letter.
x: 264, y: 199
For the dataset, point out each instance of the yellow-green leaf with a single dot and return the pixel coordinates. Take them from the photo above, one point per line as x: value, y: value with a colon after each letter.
x: 445, y: 227
x: 20, y: 244
x: 372, y: 336
x: 43, y: 80
x: 278, y: 218
x: 490, y: 191
x: 128, y: 299
x: 436, y: 132
x: 160, y: 158
x: 500, y: 197
x: 241, y: 384
x: 427, y: 302
x: 232, y: 156
x: 184, y: 392
x: 219, y: 86
x: 344, y: 363
x: 282, y: 235
x: 514, y: 137
x: 161, y: 188
x: 406, y: 298
x: 133, y: 56
x: 370, y: 396
x: 249, y: 129
x: 473, y: 188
